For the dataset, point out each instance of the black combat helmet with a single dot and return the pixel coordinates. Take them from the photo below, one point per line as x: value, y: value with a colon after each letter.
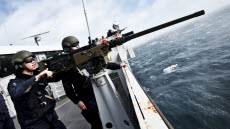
x: 69, y: 41
x: 19, y: 58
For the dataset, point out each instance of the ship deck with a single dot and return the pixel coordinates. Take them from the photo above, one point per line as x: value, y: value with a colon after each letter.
x: 68, y: 113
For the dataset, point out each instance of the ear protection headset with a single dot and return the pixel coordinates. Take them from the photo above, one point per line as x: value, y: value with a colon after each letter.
x: 18, y: 66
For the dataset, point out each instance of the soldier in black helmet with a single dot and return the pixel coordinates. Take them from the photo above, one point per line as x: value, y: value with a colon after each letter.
x: 31, y: 94
x: 79, y: 89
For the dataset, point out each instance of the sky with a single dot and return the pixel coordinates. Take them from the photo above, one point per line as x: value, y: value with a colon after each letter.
x: 23, y: 18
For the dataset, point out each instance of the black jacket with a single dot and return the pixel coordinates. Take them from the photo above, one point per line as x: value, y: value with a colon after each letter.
x: 78, y: 87
x: 33, y: 105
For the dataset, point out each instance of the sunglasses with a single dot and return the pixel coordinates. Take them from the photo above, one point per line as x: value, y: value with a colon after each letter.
x: 73, y: 45
x: 29, y: 60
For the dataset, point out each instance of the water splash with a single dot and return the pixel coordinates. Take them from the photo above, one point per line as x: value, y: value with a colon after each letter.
x: 170, y: 69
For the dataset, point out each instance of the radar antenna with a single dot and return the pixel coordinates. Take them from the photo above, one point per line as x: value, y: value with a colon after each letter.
x: 36, y: 37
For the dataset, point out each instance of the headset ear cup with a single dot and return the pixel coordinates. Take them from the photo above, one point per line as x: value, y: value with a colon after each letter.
x: 18, y: 66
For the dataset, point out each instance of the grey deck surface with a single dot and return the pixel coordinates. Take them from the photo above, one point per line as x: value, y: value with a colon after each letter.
x: 69, y: 114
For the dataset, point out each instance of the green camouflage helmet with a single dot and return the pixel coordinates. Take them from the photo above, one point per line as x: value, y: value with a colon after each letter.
x: 69, y: 41
x: 20, y: 56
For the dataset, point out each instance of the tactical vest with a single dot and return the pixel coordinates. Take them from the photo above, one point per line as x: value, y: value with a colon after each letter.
x: 35, y: 104
x: 80, y: 83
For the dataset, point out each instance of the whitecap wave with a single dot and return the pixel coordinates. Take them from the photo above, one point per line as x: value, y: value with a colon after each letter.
x: 146, y: 89
x: 152, y: 77
x: 170, y: 69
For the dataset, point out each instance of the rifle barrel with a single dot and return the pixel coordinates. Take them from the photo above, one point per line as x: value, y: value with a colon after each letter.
x: 141, y: 33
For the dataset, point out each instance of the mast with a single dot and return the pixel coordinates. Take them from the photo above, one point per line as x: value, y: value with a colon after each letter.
x: 86, y: 21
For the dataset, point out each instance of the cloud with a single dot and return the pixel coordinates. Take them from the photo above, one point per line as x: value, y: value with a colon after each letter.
x: 64, y: 18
